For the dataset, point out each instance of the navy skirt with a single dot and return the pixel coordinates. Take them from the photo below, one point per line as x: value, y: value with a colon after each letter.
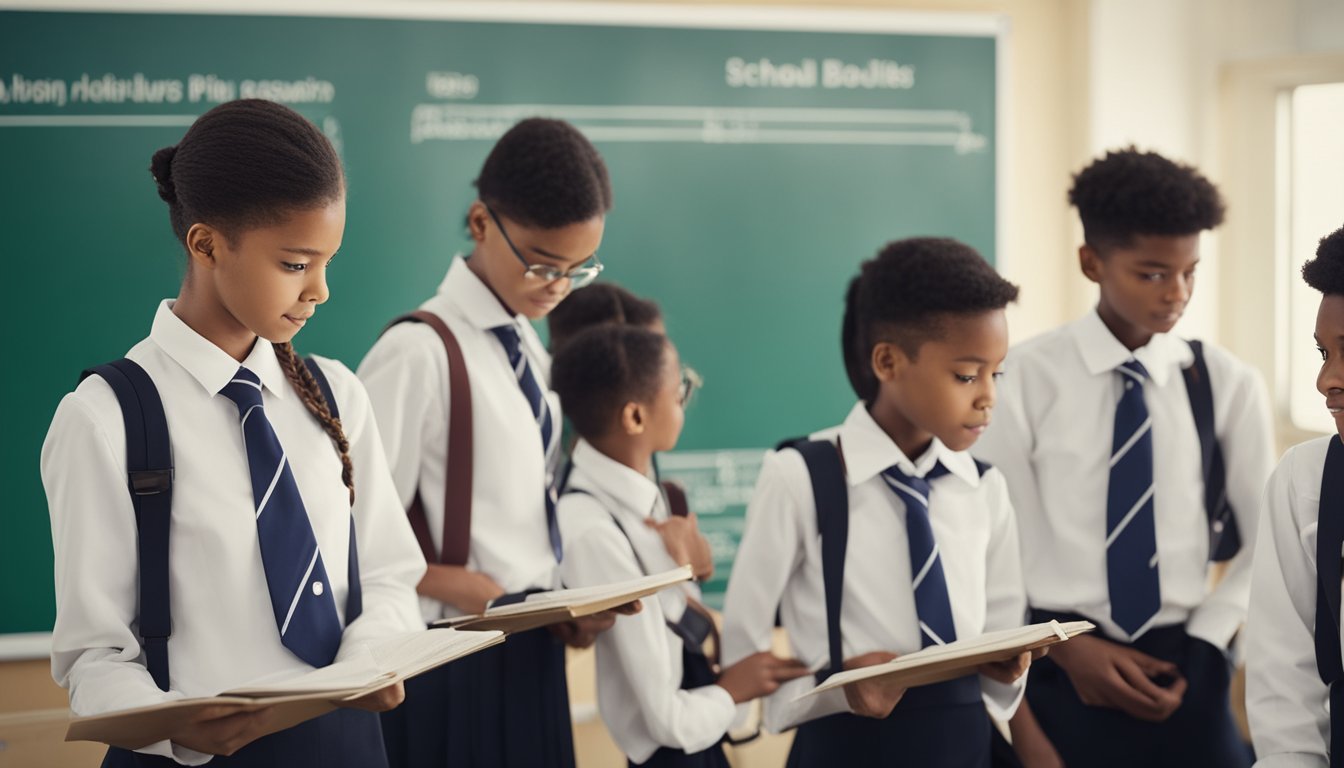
x: 934, y: 726
x: 346, y: 738
x: 505, y: 706
x: 695, y: 673
x: 1200, y: 732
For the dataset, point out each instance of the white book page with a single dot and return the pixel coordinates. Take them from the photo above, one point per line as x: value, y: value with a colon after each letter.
x: 566, y: 597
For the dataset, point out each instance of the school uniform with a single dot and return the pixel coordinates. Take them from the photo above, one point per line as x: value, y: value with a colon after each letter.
x: 507, y: 705
x: 1287, y: 701
x: 780, y: 564
x: 224, y: 628
x: 655, y: 688
x: 1102, y: 457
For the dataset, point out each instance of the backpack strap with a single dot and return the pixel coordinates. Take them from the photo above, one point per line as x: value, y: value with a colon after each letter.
x: 457, y: 478
x: 149, y: 467
x: 696, y: 625
x: 830, y: 493
x: 354, y: 598
x: 1224, y: 537
x: 1329, y: 543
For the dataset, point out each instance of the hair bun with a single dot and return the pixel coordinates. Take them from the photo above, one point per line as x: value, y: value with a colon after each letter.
x: 161, y: 167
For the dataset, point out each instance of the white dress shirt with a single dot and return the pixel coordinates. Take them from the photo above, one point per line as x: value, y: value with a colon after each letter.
x: 406, y: 373
x: 1286, y: 702
x: 223, y: 627
x: 639, y: 665
x: 779, y: 564
x: 1051, y: 438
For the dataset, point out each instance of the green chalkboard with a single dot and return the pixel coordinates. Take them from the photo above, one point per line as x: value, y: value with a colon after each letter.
x: 756, y: 160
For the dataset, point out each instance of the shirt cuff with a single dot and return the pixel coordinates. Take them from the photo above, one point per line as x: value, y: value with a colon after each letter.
x: 1292, y: 760
x: 1001, y: 699
x: 1215, y: 624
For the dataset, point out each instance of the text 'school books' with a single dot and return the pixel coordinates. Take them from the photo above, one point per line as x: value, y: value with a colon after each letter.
x: 377, y: 664
x: 542, y: 609
x: 958, y: 658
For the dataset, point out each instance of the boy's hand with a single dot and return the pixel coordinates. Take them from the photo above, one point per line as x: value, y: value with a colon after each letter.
x: 1108, y: 674
x: 1030, y: 743
x: 686, y: 545
x: 381, y: 700
x: 466, y: 590
x: 223, y: 730
x: 759, y: 674
x: 874, y: 698
x: 1009, y: 670
x: 583, y: 632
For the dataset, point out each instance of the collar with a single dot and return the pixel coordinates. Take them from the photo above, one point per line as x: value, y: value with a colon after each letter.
x: 471, y: 298
x: 869, y: 451
x: 628, y: 488
x: 1102, y: 353
x: 211, y: 366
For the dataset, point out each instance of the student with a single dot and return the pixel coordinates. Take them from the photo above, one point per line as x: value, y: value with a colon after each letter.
x: 931, y: 551
x: 256, y: 196
x: 1293, y: 665
x: 486, y: 521
x: 597, y: 304
x: 1101, y: 444
x: 625, y: 390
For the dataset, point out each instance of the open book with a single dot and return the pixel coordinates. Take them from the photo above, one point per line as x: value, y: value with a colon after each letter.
x: 961, y: 657
x: 545, y: 608
x: 375, y: 665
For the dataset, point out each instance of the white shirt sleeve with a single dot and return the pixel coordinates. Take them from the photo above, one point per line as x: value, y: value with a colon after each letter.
x: 1247, y: 440
x: 398, y: 373
x: 1005, y: 595
x: 1008, y: 443
x: 770, y: 550
x: 641, y: 646
x: 1285, y: 697
x: 95, y: 652
x: 390, y: 562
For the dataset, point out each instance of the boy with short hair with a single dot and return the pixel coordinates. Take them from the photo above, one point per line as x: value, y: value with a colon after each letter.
x: 1293, y: 661
x: 1099, y: 437
x: 926, y: 551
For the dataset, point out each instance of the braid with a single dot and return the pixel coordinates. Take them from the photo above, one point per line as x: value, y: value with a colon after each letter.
x: 311, y: 394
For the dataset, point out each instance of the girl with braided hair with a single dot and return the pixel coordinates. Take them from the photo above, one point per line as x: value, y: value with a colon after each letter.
x: 263, y: 576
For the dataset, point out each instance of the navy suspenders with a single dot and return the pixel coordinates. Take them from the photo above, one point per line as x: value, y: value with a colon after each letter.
x: 1224, y: 538
x: 1329, y: 544
x: 149, y: 467
x: 830, y: 494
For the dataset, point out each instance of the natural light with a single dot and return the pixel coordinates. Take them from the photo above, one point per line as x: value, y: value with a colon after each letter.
x: 1315, y: 168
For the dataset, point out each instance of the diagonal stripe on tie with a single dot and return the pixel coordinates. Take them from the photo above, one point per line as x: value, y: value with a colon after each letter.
x: 296, y: 578
x: 1131, y: 536
x: 933, y: 606
x: 541, y: 412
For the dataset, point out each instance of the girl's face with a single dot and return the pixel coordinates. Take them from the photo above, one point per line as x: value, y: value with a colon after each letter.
x: 665, y: 412
x: 271, y: 278
x: 1330, y: 340
x: 501, y: 249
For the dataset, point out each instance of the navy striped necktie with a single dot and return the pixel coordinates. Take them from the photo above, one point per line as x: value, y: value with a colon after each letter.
x: 301, y: 598
x: 536, y: 397
x: 932, y: 603
x: 1131, y: 532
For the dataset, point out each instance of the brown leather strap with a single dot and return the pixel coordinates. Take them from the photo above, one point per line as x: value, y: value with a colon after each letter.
x: 457, y: 477
x: 676, y: 498
x: 711, y: 653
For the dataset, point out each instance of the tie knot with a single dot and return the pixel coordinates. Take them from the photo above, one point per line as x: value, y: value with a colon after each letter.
x: 910, y: 486
x: 508, y: 336
x: 244, y: 389
x: 1134, y: 371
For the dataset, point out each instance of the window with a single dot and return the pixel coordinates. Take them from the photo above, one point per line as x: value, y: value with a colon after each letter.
x: 1311, y: 171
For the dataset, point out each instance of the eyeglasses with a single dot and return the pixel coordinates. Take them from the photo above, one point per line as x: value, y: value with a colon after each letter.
x: 578, y: 277
x: 690, y: 382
